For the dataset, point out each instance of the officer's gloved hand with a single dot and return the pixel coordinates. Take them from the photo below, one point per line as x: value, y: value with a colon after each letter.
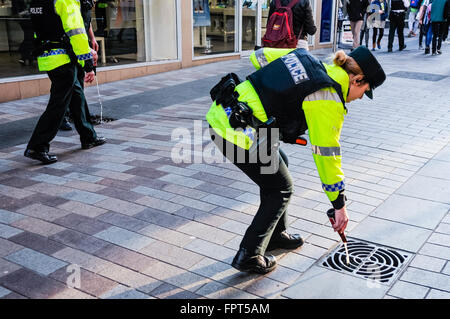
x: 89, y: 77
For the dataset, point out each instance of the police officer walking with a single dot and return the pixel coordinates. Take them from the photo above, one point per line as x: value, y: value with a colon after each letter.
x: 290, y: 93
x: 397, y: 23
x: 63, y: 52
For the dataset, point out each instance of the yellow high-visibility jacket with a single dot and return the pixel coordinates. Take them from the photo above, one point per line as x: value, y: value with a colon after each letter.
x: 72, y: 21
x: 324, y: 113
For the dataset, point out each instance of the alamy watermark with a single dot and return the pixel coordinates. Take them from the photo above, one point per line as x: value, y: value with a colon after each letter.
x: 197, y: 146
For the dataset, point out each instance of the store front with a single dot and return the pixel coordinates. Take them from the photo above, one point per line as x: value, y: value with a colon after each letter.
x: 127, y: 32
x: 140, y: 37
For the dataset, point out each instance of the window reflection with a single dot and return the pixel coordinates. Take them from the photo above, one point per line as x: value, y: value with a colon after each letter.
x: 214, y: 26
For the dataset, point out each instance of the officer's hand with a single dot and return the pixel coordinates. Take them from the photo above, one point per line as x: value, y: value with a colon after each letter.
x: 89, y: 77
x: 341, y: 219
x: 95, y: 56
x: 95, y: 45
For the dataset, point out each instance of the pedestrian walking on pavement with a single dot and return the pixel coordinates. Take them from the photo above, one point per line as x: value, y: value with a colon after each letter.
x: 424, y: 18
x: 376, y: 21
x: 290, y: 93
x: 356, y: 10
x: 302, y: 20
x: 85, y: 7
x: 397, y: 23
x: 63, y: 52
x: 439, y: 15
x: 412, y: 17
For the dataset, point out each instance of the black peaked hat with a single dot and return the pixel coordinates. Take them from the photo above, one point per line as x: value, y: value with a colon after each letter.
x: 373, y: 72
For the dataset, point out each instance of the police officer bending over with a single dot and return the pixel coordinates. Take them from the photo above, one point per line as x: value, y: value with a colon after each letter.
x: 290, y: 93
x: 63, y: 51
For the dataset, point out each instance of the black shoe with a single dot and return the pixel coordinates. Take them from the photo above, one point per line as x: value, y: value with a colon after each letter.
x: 427, y: 50
x: 44, y: 157
x: 389, y: 50
x: 439, y: 52
x: 260, y: 264
x: 402, y: 48
x: 285, y: 241
x: 65, y: 126
x: 98, y: 141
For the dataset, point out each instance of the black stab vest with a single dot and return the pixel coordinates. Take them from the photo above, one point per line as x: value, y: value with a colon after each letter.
x: 46, y: 23
x: 283, y: 84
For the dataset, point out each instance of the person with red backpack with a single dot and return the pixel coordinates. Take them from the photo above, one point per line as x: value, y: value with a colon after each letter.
x: 289, y: 23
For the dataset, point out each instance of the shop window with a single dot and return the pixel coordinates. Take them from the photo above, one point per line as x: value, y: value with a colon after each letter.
x: 214, y: 26
x: 118, y: 26
x: 163, y: 30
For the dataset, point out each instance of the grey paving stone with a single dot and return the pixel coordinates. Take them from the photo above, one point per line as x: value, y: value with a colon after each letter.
x: 436, y: 168
x: 391, y: 234
x: 7, y: 217
x: 438, y: 294
x: 408, y: 290
x: 428, y: 188
x: 4, y: 292
x: 123, y: 292
x: 51, y: 179
x: 153, y: 192
x: 437, y: 251
x: 427, y: 278
x: 83, y: 177
x: 8, y: 231
x: 181, y: 180
x: 123, y: 221
x: 296, y: 262
x: 215, y: 290
x: 412, y: 211
x: 124, y: 238
x: 84, y: 197
x: 7, y: 267
x: 116, y: 167
x: 321, y: 283
x: 36, y: 261
x: 428, y: 263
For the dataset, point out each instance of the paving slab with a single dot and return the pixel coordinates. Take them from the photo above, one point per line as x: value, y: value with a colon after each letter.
x: 36, y: 261
x: 392, y: 234
x: 429, y: 188
x: 412, y: 211
x: 321, y: 283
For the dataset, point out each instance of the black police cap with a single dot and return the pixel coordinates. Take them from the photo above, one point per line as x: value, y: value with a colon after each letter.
x: 373, y: 72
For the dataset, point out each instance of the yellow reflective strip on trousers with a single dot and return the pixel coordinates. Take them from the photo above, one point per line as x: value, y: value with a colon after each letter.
x: 218, y: 119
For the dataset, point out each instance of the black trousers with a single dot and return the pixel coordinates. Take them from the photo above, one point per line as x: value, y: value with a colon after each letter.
x: 396, y: 23
x: 380, y: 36
x: 438, y: 31
x: 66, y: 92
x: 275, y: 193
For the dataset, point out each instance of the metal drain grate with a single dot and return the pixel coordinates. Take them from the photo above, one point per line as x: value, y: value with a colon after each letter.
x: 367, y: 260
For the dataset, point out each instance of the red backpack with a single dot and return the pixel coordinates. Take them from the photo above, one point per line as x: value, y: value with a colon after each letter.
x: 279, y: 32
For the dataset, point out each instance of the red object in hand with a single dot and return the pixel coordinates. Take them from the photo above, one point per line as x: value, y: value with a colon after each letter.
x: 331, y: 217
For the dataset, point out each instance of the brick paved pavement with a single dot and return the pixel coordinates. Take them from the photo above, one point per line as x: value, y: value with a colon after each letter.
x: 124, y: 221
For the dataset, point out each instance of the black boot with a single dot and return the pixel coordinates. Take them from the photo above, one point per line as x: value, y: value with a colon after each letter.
x: 285, y: 241
x: 44, y: 157
x: 65, y: 125
x: 98, y: 141
x: 260, y: 264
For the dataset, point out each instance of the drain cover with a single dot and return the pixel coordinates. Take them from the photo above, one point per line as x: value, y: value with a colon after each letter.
x: 95, y: 119
x: 367, y: 260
